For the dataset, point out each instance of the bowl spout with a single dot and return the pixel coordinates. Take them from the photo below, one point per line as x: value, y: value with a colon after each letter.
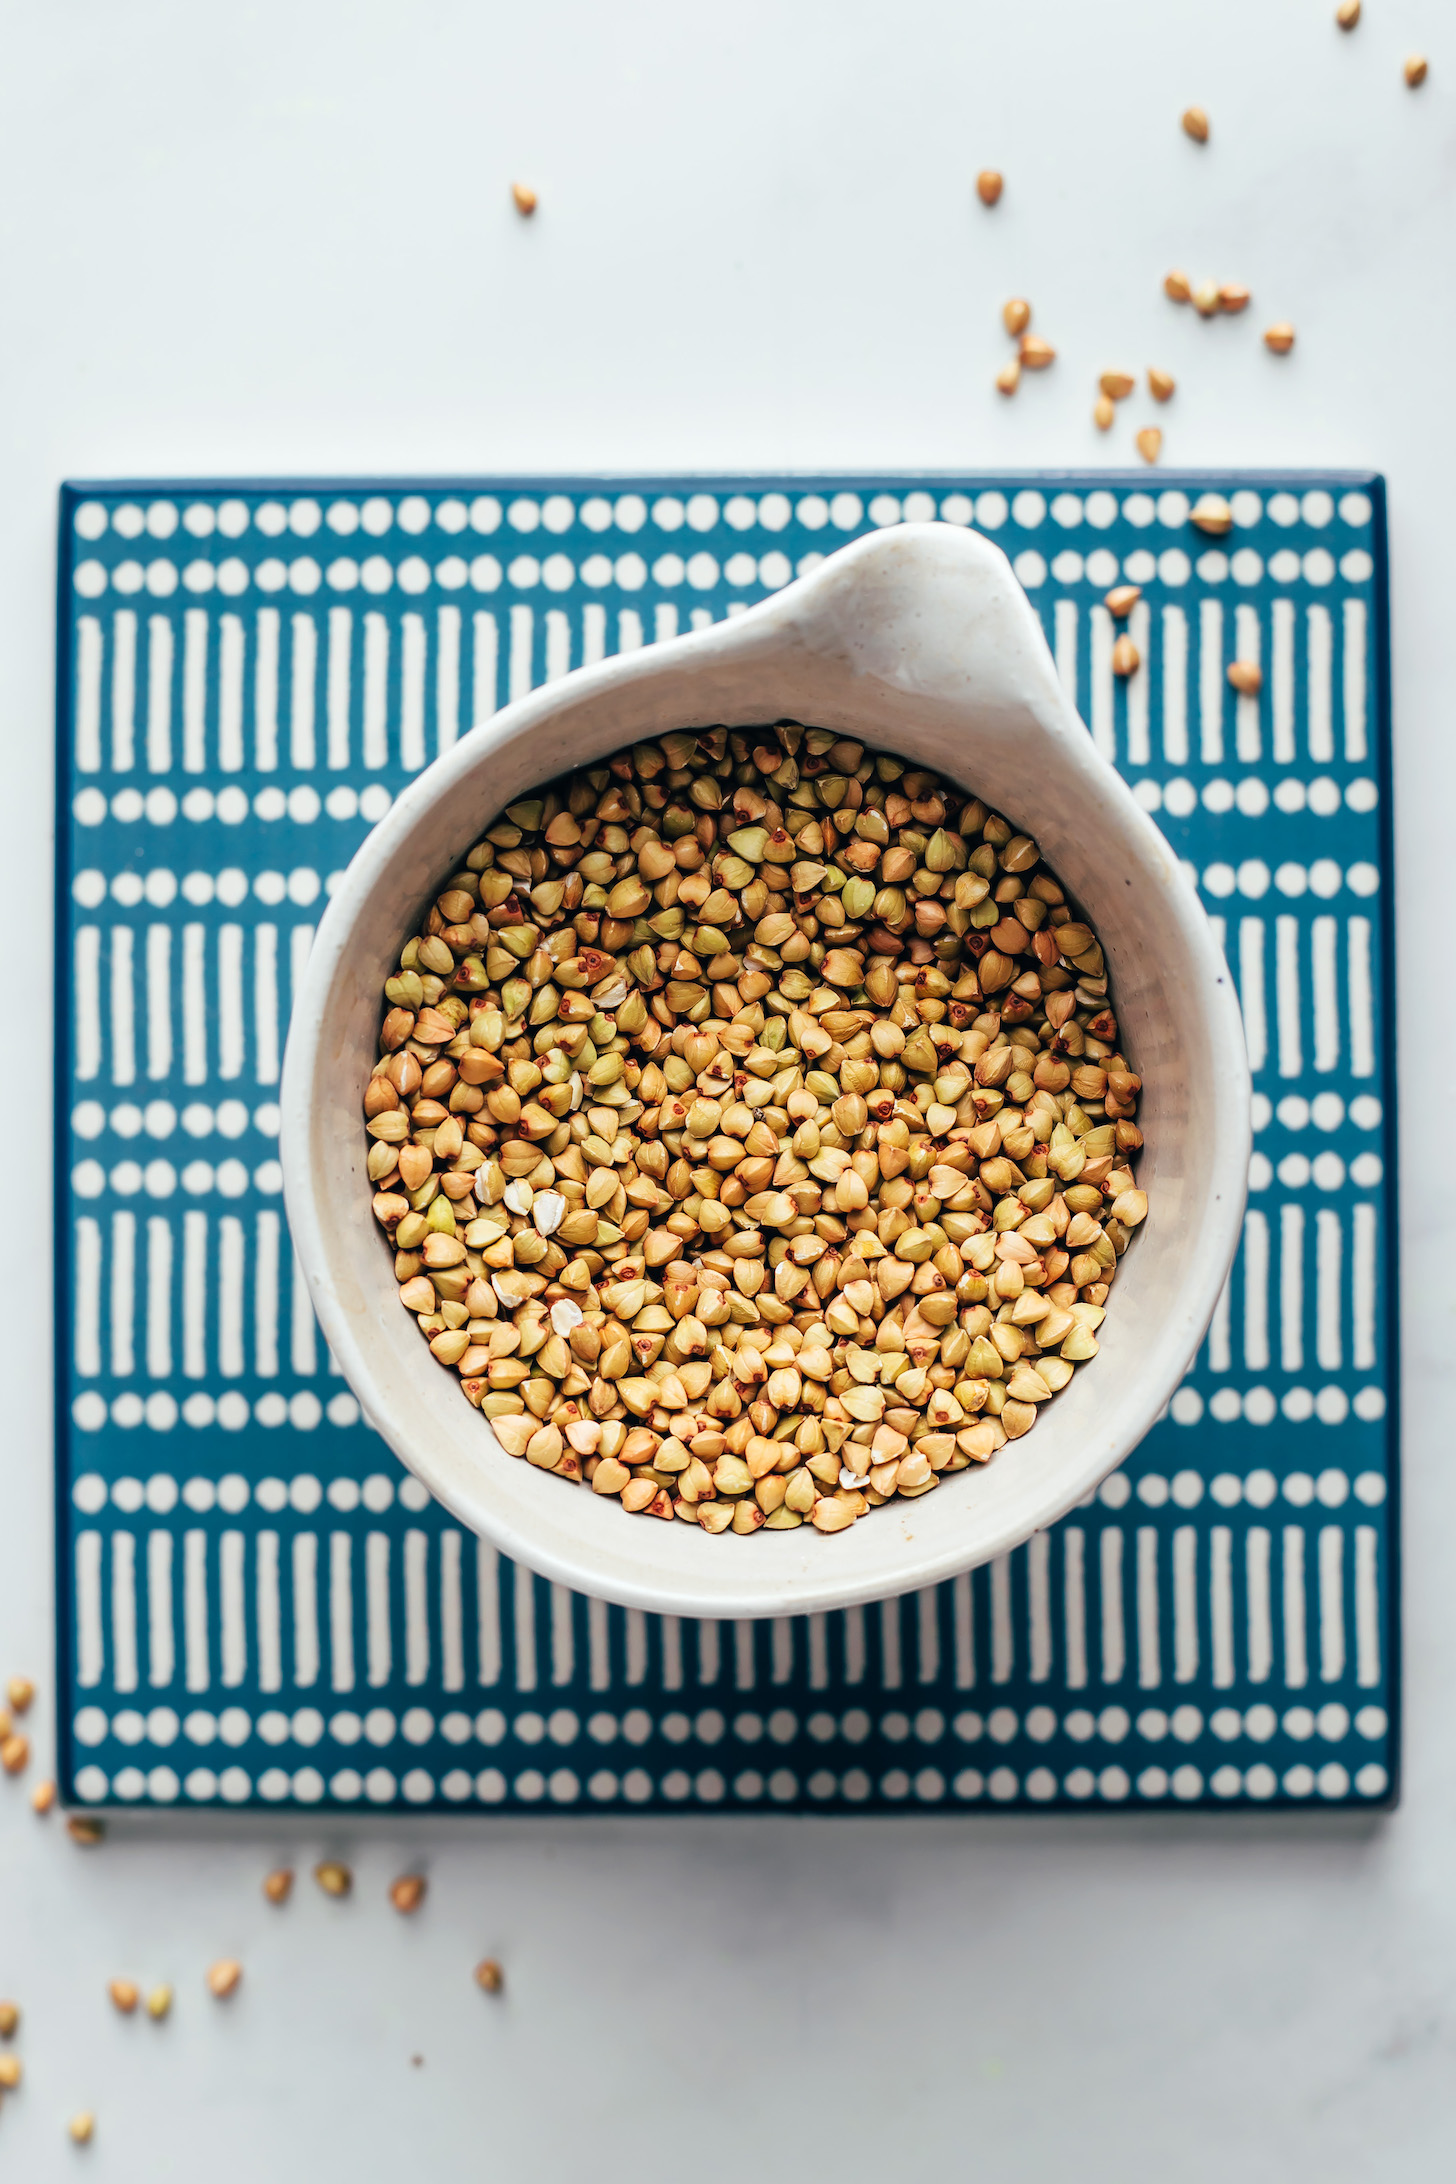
x: 934, y: 613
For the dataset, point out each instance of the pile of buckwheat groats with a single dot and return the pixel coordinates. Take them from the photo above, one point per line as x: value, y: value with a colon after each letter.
x: 752, y: 1130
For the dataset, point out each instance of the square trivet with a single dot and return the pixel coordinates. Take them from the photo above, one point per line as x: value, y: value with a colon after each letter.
x: 258, y: 1606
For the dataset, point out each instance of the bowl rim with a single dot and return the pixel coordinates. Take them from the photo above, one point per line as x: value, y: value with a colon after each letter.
x: 781, y: 620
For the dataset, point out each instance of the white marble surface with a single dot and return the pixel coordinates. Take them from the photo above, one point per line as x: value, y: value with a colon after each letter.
x: 275, y: 238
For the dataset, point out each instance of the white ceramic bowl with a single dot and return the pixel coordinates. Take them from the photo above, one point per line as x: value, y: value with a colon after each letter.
x: 921, y: 641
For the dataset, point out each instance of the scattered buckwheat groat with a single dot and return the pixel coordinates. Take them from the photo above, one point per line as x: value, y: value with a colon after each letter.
x: 408, y: 1893
x: 1195, y: 124
x: 223, y: 1977
x: 82, y: 2127
x: 753, y: 1130
x: 1150, y: 443
x: 1279, y: 338
x: 489, y: 1975
x: 1416, y: 70
x: 1247, y: 677
x: 524, y: 198
x: 333, y: 1878
x: 1212, y: 513
x: 278, y: 1885
x: 989, y: 185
